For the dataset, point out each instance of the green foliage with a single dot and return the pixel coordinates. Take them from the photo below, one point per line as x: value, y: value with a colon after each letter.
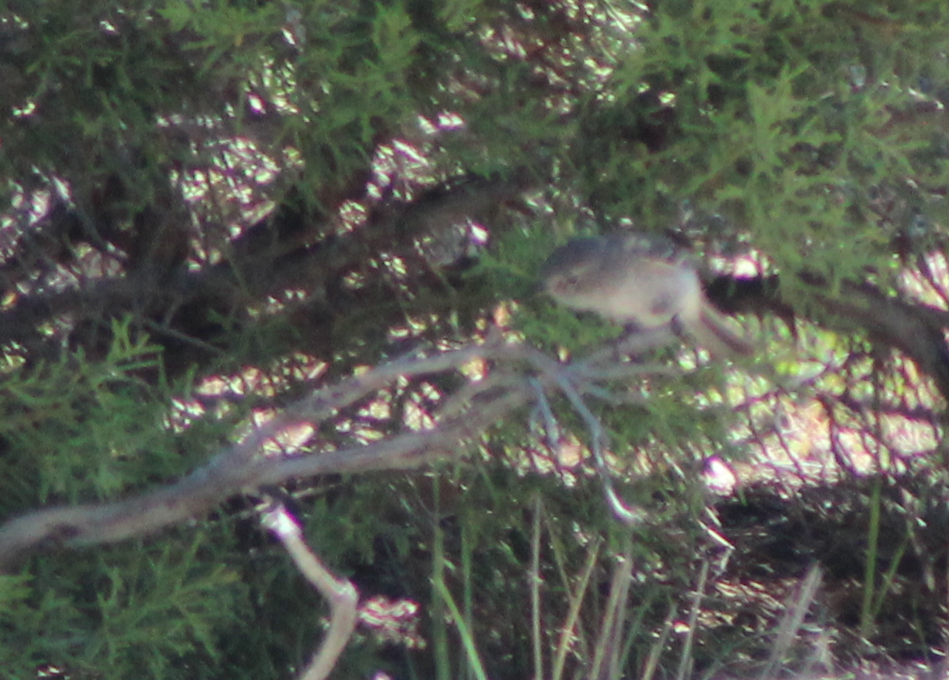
x: 80, y: 429
x: 778, y: 129
x: 142, y: 611
x: 158, y: 606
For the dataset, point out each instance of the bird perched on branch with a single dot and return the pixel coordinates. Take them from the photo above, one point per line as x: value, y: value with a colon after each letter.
x: 643, y: 280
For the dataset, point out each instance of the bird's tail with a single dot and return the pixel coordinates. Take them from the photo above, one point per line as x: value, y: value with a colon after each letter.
x: 717, y: 334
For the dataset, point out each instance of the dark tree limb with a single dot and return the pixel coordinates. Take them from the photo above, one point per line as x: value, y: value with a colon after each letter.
x: 915, y: 329
x: 292, y: 249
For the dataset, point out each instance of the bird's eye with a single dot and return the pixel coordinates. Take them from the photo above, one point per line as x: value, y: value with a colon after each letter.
x: 572, y: 281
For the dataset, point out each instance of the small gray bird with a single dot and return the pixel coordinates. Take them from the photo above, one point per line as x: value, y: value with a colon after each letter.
x: 639, y: 279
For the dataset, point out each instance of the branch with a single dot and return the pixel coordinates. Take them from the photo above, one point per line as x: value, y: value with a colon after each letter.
x: 288, y: 249
x: 244, y: 466
x: 916, y: 329
x: 340, y: 593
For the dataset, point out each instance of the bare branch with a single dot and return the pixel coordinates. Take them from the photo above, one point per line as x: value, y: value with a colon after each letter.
x: 340, y: 593
x: 244, y: 466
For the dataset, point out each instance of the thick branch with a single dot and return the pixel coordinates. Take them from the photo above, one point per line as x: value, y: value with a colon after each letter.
x: 914, y: 329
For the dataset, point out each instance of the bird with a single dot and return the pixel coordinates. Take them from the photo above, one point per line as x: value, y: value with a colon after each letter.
x: 642, y: 280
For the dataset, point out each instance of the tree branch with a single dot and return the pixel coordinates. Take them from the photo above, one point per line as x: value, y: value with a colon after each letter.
x: 340, y: 593
x: 244, y: 466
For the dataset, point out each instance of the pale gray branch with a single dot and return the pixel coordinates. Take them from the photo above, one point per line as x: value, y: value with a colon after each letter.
x: 244, y: 466
x: 339, y: 592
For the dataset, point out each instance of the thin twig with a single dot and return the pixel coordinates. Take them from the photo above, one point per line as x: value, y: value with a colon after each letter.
x: 791, y: 622
x: 659, y: 646
x: 542, y: 409
x: 573, y: 613
x: 625, y: 513
x: 686, y: 662
x: 534, y: 582
x: 606, y: 659
x: 341, y: 595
